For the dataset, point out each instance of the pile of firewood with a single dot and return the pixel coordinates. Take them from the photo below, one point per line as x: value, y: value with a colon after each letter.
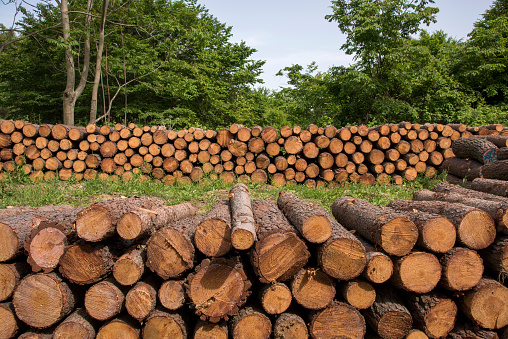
x: 133, y: 267
x: 312, y: 155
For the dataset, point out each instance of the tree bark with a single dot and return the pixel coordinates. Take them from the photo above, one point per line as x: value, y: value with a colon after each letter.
x: 492, y: 186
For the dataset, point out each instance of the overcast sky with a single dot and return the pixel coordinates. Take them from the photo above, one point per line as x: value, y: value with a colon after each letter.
x: 287, y: 32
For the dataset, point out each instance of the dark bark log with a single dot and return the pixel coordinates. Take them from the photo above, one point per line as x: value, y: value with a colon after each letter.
x: 469, y: 169
x: 492, y: 186
x: 495, y: 170
x: 475, y: 148
x: 495, y: 257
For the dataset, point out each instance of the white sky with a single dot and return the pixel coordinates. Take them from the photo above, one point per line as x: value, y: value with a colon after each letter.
x: 287, y: 32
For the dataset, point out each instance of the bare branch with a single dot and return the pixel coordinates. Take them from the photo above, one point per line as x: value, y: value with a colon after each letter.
x: 26, y: 36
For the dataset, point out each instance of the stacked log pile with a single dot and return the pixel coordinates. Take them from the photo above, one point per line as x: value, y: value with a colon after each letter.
x: 133, y: 267
x: 312, y: 155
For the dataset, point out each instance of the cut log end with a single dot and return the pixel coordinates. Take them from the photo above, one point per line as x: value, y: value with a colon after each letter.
x: 360, y: 294
x: 317, y: 229
x: 93, y: 223
x: 242, y: 239
x: 418, y: 272
x: 209, y: 330
x: 343, y: 258
x: 126, y: 272
x: 313, y: 289
x: 47, y: 247
x: 129, y: 226
x: 378, y: 269
x: 213, y: 237
x: 276, y: 298
x: 9, y: 243
x: 398, y: 236
x: 440, y: 319
x: 9, y: 322
x: 394, y: 325
x: 339, y: 320
x: 477, y: 230
x: 462, y: 269
x: 439, y: 235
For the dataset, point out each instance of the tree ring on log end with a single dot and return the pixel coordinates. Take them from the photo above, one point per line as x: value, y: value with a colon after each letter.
x: 398, y: 236
x: 47, y: 247
x: 441, y: 318
x: 129, y: 226
x: 8, y: 242
x: 477, y: 230
x: 394, y: 324
x: 242, y: 239
x: 343, y: 258
x: 213, y: 237
x: 162, y: 327
x: 317, y: 229
x: 439, y: 234
x: 379, y: 269
x: 93, y: 223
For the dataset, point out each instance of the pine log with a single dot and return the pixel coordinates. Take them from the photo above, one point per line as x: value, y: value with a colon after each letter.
x: 41, y: 300
x: 119, y: 328
x: 141, y: 299
x: 162, y: 324
x: 495, y: 257
x: 290, y: 326
x: 141, y: 222
x: 495, y: 170
x: 478, y: 149
x: 387, y: 228
x: 170, y: 250
x: 417, y: 272
x: 278, y: 253
x: 311, y: 222
x: 342, y: 256
x: 217, y: 288
x: 213, y: 234
x: 496, y: 209
x: 379, y: 266
x: 462, y: 269
x: 206, y: 330
x: 492, y: 186
x: 388, y: 316
x: 104, y: 300
x: 312, y: 288
x: 129, y: 268
x: 98, y: 221
x: 275, y: 298
x: 243, y: 227
x: 10, y: 323
x: 339, y: 320
x: 172, y: 294
x: 469, y: 169
x: 432, y: 313
x: 250, y: 323
x: 85, y: 263
x: 465, y: 329
x: 10, y: 276
x: 475, y: 228
x: 486, y: 304
x: 358, y: 293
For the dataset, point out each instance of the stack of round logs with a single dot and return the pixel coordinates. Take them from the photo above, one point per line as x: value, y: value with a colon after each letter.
x: 133, y: 267
x: 312, y: 155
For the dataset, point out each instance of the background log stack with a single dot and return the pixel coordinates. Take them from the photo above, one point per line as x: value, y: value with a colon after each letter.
x: 311, y: 155
x: 293, y: 271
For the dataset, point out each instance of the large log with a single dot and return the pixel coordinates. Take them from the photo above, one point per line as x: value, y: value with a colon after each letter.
x: 98, y: 221
x: 417, y: 272
x: 475, y: 148
x: 243, y: 227
x: 495, y: 170
x: 41, y: 300
x: 213, y: 233
x: 492, y: 186
x: 462, y: 269
x: 290, y: 326
x: 486, y: 304
x: 496, y: 209
x: 278, y: 253
x: 311, y: 222
x: 469, y: 169
x: 170, y: 250
x: 339, y: 320
x: 475, y: 228
x: 387, y: 228
x: 104, y: 300
x: 85, y: 263
x: 218, y: 288
x: 250, y: 324
x: 312, y: 288
x: 388, y: 316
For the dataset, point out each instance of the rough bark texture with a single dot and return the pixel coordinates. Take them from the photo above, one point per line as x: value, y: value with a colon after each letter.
x: 387, y: 228
x: 77, y: 325
x: 218, y: 288
x: 339, y: 320
x: 243, y: 226
x: 474, y: 148
x: 417, y: 272
x: 495, y: 257
x: 492, y: 186
x: 475, y: 228
x: 462, y: 269
x: 469, y: 169
x: 213, y: 234
x: 495, y: 170
x: 170, y: 250
x: 278, y: 253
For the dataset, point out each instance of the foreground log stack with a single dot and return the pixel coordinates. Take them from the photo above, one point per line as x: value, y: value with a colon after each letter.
x: 134, y: 267
x: 312, y: 155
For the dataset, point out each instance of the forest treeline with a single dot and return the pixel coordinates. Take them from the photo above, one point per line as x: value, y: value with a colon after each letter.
x: 172, y: 63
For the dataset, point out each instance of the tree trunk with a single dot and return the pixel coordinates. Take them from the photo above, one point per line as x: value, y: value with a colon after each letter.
x: 475, y: 148
x: 495, y: 170
x: 492, y: 186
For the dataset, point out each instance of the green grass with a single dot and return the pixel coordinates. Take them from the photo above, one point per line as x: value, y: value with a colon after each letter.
x: 17, y: 189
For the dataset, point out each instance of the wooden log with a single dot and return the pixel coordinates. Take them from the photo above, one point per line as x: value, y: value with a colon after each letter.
x: 217, y: 288
x: 85, y: 263
x: 213, y: 234
x: 498, y: 210
x: 495, y: 257
x: 250, y: 323
x: 388, y: 316
x: 119, y: 328
x: 41, y: 300
x: 339, y: 320
x: 278, y: 253
x: 495, y: 170
x: 141, y: 299
x: 475, y: 228
x: 462, y: 269
x: 464, y: 328
x: 358, y: 293
x: 417, y: 272
x: 98, y: 221
x: 486, y: 304
x: 104, y: 300
x: 129, y: 268
x: 170, y: 250
x: 275, y: 298
x: 162, y: 324
x: 379, y: 266
x: 172, y: 294
x: 312, y: 288
x: 310, y: 150
x: 387, y: 228
x: 290, y: 326
x: 342, y: 256
x: 243, y: 228
x: 313, y: 224
x: 10, y: 323
x: 478, y: 149
x: 269, y: 134
x: 492, y: 186
x: 206, y: 330
x: 259, y: 176
x: 10, y: 276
